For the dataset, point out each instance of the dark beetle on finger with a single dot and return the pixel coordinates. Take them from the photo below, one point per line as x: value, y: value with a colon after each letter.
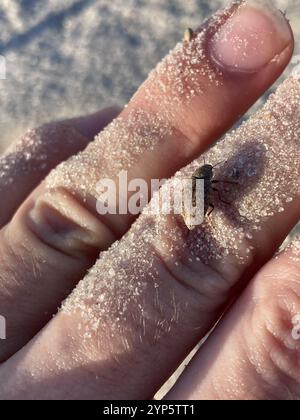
x: 206, y: 173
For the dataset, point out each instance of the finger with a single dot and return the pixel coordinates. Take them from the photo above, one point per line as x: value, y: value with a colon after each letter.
x: 27, y: 162
x: 184, y: 106
x: 254, y: 354
x: 155, y: 294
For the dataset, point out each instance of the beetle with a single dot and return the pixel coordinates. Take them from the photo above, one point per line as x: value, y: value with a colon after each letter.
x: 188, y: 35
x: 206, y: 173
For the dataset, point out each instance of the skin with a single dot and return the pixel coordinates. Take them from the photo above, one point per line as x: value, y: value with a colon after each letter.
x: 49, y: 360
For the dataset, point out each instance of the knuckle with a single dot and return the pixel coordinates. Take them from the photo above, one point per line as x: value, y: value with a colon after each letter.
x: 203, y: 284
x: 57, y: 220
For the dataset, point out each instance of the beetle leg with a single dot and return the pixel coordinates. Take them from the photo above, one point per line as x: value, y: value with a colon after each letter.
x: 220, y: 198
x: 212, y: 207
x: 217, y: 181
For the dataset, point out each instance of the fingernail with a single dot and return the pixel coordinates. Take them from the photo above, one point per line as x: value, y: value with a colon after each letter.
x: 255, y: 34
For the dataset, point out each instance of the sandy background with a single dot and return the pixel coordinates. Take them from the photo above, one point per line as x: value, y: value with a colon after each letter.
x: 76, y: 56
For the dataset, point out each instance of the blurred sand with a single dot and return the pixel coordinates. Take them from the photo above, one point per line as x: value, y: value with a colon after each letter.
x: 73, y: 57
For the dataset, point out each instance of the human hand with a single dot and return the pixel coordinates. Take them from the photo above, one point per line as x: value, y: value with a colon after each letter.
x: 160, y: 289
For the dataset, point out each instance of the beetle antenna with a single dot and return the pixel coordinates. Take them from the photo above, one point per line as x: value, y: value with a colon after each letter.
x: 220, y: 163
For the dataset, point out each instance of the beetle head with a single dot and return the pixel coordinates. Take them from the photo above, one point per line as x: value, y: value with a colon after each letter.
x: 205, y: 171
